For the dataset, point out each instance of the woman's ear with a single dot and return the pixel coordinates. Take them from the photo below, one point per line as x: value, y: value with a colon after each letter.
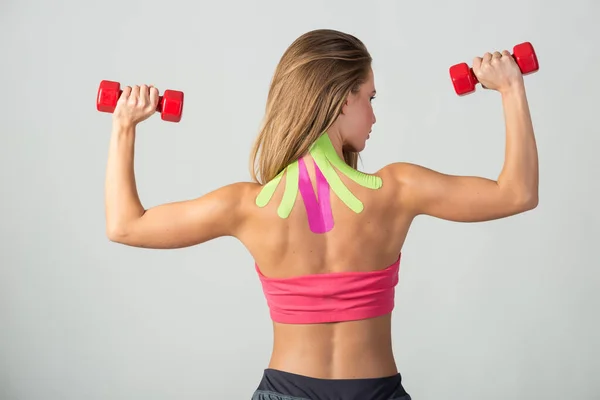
x: 345, y: 105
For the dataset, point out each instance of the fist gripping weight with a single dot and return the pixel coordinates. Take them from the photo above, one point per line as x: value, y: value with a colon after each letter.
x: 464, y: 80
x: 170, y: 104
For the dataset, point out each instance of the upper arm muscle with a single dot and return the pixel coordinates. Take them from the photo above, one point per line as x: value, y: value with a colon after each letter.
x: 186, y: 223
x: 456, y: 198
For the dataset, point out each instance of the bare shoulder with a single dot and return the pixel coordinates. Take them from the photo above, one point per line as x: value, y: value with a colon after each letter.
x: 400, y: 171
x: 238, y: 190
x: 421, y: 190
x: 400, y: 179
x: 220, y: 212
x: 234, y: 198
x: 400, y: 174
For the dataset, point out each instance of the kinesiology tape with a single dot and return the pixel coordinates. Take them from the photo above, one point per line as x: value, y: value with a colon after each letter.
x: 318, y: 207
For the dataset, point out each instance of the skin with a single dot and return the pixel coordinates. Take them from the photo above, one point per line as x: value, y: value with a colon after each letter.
x: 369, y: 240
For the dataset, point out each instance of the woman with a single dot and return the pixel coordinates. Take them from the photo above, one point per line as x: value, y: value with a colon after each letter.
x: 326, y: 238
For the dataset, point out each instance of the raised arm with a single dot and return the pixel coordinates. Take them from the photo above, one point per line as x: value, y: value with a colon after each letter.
x: 470, y: 198
x: 172, y: 225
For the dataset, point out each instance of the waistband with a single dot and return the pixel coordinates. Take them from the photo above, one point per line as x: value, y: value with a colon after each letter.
x: 282, y: 385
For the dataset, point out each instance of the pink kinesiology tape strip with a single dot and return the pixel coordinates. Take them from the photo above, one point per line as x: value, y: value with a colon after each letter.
x: 318, y: 208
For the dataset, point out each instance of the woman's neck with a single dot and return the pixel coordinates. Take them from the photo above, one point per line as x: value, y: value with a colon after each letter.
x: 336, y: 141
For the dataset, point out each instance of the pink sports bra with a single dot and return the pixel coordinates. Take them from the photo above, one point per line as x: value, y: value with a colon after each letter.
x: 331, y: 297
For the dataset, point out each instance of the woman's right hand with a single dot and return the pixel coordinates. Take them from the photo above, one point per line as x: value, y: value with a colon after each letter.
x: 135, y: 105
x: 497, y: 71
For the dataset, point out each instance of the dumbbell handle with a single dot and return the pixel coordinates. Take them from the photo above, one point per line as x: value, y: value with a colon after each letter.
x: 159, y: 106
x: 520, y: 64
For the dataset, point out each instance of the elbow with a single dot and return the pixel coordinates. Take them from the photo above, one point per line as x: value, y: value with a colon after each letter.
x: 528, y: 201
x: 521, y: 198
x: 534, y: 201
x: 116, y: 233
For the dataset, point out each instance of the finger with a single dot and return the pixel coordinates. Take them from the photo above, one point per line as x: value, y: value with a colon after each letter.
x: 144, y: 95
x: 126, y: 93
x: 135, y: 94
x: 487, y: 58
x: 505, y: 53
x: 496, y: 56
x: 477, y: 63
x: 153, y: 96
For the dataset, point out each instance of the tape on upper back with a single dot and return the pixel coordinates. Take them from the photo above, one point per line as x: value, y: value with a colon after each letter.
x: 324, y: 145
x: 318, y: 207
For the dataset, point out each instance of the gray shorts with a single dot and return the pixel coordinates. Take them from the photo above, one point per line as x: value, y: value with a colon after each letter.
x: 281, y: 385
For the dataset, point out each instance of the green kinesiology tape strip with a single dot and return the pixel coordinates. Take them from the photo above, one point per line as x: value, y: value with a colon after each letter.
x: 369, y: 181
x: 291, y: 191
x: 267, y: 191
x: 335, y: 181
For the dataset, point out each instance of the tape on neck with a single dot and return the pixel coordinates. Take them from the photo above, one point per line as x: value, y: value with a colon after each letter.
x: 318, y: 206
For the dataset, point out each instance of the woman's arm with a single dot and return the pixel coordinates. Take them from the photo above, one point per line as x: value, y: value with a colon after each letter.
x: 173, y: 225
x: 470, y: 199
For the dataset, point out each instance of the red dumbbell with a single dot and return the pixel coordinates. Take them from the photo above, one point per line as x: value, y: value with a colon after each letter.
x: 464, y: 80
x: 170, y: 104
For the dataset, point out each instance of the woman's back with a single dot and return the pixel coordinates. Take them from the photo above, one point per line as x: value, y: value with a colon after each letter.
x: 358, y: 241
x: 325, y: 233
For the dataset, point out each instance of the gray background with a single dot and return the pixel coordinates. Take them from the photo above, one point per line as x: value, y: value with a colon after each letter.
x: 505, y: 309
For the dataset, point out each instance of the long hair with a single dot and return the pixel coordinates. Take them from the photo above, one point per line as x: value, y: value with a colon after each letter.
x: 311, y: 82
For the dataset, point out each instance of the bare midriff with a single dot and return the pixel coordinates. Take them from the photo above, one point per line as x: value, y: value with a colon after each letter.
x: 341, y: 350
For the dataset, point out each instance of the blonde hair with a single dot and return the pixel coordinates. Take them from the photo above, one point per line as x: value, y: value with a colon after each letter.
x: 310, y: 84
